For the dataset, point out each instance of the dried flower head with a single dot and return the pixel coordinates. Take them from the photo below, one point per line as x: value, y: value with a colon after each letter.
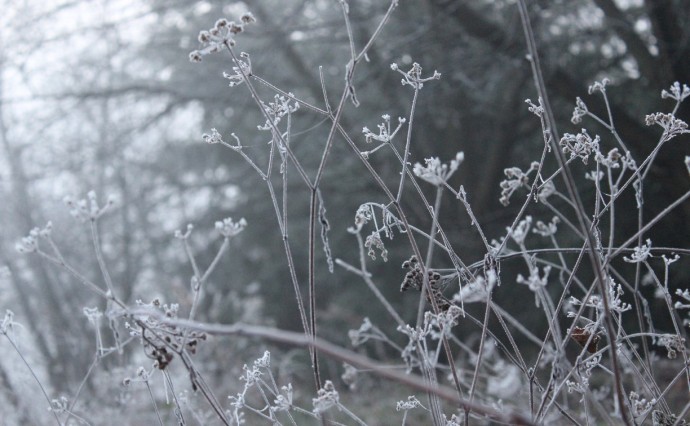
x: 374, y: 241
x: 640, y: 254
x: 220, y: 35
x: 413, y: 77
x: 326, y: 398
x: 228, y: 228
x: 247, y: 18
x: 214, y: 138
x: 516, y: 179
x: 537, y: 110
x: 676, y: 92
x: 672, y: 126
x: 579, y: 111
x: 435, y: 172
x: 580, y: 145
x: 599, y: 86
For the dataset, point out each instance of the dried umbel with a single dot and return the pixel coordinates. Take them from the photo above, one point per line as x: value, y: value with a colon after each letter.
x: 414, y: 278
x: 161, y: 341
x: 163, y: 349
x: 221, y: 34
x: 162, y: 356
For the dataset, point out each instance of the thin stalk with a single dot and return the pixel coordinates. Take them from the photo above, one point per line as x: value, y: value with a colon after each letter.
x: 429, y: 252
x: 408, y: 141
x: 580, y: 211
x: 343, y: 355
x: 485, y: 327
x: 99, y: 257
x: 153, y: 401
x: 33, y: 374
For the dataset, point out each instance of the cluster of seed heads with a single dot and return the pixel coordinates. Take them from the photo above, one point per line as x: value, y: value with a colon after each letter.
x: 221, y: 34
x: 414, y: 278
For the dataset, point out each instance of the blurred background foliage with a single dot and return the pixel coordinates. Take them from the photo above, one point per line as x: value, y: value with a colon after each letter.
x: 100, y: 95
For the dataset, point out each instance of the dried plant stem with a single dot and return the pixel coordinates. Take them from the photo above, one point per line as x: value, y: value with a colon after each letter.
x: 340, y: 354
x: 33, y: 374
x: 580, y: 212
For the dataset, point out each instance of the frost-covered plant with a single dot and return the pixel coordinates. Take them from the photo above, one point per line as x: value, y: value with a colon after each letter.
x: 467, y: 364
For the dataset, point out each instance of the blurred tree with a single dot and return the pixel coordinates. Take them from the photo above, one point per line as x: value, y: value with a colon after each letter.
x: 68, y: 125
x: 36, y: 286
